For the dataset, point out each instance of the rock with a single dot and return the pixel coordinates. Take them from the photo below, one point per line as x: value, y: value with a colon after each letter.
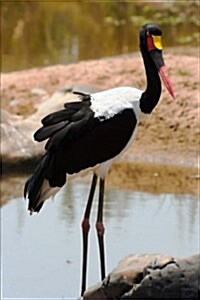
x: 55, y: 102
x: 83, y: 88
x: 15, y: 136
x: 149, y: 277
x: 38, y: 91
x: 14, y: 102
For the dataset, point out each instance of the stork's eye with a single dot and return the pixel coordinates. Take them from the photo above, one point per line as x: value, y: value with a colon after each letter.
x: 148, y: 33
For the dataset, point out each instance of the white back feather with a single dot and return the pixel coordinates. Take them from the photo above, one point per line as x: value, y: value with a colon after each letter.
x: 109, y: 103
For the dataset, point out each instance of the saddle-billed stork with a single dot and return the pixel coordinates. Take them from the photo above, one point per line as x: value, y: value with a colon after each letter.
x: 91, y: 133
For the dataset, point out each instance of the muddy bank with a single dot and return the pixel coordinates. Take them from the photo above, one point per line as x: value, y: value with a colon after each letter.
x: 137, y: 176
x: 155, y: 178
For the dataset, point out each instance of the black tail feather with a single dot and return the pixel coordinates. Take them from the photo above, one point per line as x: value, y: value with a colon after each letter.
x: 32, y: 189
x: 48, y: 174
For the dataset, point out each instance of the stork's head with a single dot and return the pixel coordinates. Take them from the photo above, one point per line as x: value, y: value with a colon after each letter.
x: 151, y: 43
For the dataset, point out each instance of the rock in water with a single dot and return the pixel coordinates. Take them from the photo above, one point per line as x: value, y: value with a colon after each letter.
x: 149, y: 277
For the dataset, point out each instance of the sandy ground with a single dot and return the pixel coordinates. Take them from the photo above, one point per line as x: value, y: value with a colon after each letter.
x: 169, y: 136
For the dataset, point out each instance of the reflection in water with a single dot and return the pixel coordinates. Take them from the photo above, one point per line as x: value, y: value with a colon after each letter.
x: 67, y: 32
x: 41, y: 254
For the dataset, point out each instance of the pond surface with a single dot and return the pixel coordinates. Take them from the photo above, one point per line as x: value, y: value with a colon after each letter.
x: 40, y: 33
x: 41, y: 254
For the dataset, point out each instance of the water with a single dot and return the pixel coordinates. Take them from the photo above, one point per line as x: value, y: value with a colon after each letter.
x: 41, y: 33
x: 41, y: 253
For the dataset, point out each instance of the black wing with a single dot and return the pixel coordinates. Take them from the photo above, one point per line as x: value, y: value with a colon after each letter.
x: 62, y: 122
x: 77, y: 140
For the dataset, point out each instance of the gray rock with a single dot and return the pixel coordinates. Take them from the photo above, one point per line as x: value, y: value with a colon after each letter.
x: 16, y: 136
x: 38, y: 91
x: 150, y: 277
x: 83, y: 88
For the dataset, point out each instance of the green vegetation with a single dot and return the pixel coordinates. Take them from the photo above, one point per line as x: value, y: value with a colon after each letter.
x: 42, y: 33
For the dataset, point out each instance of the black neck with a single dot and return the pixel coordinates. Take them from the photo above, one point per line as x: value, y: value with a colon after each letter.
x: 151, y: 95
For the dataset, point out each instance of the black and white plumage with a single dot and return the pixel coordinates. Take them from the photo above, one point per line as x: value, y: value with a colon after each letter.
x: 89, y: 134
x: 86, y: 134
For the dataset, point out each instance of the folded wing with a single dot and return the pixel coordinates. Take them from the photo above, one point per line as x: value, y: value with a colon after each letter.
x: 77, y: 140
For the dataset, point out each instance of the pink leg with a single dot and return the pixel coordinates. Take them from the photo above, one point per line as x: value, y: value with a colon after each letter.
x: 100, y: 229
